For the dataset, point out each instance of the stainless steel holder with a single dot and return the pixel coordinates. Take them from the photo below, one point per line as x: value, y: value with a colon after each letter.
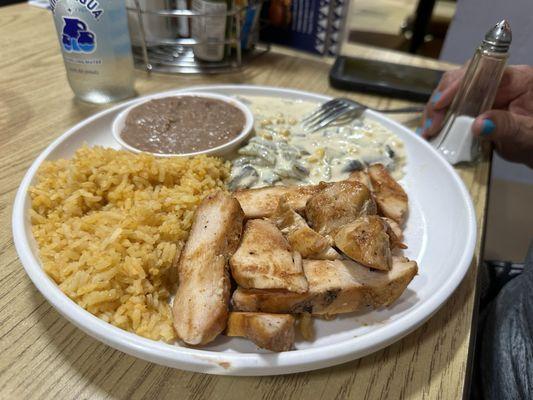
x: 177, y: 56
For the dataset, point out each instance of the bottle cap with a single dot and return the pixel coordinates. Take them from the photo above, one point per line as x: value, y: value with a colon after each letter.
x: 498, y: 39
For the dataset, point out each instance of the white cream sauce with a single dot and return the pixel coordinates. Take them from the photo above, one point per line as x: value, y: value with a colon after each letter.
x: 282, y: 152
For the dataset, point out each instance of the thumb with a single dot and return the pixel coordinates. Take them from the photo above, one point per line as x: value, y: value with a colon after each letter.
x: 511, y: 134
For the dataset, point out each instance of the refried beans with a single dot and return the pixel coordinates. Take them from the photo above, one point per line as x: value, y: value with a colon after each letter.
x: 180, y: 125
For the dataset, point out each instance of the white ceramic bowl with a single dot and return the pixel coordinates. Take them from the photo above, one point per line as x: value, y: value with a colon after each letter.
x: 226, y: 148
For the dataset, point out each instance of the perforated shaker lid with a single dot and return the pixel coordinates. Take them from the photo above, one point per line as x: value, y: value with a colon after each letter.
x: 499, y: 37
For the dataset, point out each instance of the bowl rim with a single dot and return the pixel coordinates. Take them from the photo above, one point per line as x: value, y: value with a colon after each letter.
x: 120, y: 119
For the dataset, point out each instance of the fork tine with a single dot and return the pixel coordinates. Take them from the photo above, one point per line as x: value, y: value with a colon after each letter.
x: 326, y: 114
x: 334, y: 117
x: 332, y: 113
x: 324, y: 107
x: 351, y: 114
x: 319, y: 111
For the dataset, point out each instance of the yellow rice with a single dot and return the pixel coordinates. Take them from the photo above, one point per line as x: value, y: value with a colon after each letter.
x: 110, y: 226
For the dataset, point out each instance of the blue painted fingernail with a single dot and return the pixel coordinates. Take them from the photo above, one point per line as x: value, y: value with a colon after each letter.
x: 436, y: 97
x: 418, y: 131
x: 488, y: 127
x: 428, y: 123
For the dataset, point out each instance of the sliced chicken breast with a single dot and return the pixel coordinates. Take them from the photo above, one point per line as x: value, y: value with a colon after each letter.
x: 390, y: 197
x: 366, y: 241
x: 361, y: 177
x: 395, y: 234
x: 338, y: 204
x: 273, y: 332
x: 300, y: 236
x: 201, y: 304
x: 262, y: 202
x: 335, y: 287
x: 265, y: 260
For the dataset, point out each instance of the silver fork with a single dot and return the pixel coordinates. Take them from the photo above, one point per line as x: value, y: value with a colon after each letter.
x: 343, y: 110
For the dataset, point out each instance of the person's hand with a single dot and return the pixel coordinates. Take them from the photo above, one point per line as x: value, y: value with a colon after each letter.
x: 439, y: 102
x: 509, y: 126
x: 512, y: 134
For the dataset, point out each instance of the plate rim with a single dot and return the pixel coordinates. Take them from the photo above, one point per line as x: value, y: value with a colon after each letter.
x: 229, y: 363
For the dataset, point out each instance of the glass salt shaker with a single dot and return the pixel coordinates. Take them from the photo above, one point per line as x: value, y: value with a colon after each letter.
x: 475, y: 96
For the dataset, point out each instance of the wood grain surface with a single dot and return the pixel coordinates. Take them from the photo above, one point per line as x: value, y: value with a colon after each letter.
x: 43, y: 356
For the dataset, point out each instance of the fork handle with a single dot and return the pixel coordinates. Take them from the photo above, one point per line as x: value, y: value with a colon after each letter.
x: 412, y: 109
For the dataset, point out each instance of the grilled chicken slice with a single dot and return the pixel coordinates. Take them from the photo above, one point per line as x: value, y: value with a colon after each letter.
x: 395, y: 234
x: 201, y: 303
x: 335, y: 287
x: 262, y: 202
x: 390, y: 197
x: 366, y: 241
x: 338, y: 204
x: 362, y: 177
x: 273, y: 332
x: 265, y: 260
x: 300, y: 236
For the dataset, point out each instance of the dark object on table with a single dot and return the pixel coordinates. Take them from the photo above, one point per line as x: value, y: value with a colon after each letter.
x: 504, y: 342
x: 395, y: 80
x: 8, y: 2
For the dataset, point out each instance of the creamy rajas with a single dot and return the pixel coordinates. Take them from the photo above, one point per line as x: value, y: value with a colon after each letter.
x: 283, y: 153
x: 182, y: 124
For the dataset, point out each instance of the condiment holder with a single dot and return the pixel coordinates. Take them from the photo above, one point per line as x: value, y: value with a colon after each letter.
x: 475, y: 96
x: 163, y: 39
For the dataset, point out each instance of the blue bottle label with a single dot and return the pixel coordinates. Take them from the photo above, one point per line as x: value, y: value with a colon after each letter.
x: 76, y: 36
x: 93, y: 6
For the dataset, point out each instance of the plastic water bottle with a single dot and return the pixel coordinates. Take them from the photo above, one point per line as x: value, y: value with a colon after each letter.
x: 95, y: 42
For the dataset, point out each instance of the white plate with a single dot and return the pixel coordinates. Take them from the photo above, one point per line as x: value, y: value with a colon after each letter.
x: 441, y: 234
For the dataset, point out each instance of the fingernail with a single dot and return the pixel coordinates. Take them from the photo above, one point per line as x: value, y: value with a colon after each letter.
x: 418, y: 131
x: 428, y: 123
x: 436, y: 97
x: 488, y: 127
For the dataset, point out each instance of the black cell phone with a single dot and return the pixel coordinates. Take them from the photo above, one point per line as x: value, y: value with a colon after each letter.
x: 395, y: 80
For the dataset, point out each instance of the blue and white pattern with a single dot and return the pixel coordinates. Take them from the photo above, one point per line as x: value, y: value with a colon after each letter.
x: 76, y: 37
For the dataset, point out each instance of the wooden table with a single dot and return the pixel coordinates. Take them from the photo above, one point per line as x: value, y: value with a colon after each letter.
x: 44, y: 356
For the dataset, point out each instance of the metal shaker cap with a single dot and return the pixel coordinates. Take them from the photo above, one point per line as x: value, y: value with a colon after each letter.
x: 499, y: 38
